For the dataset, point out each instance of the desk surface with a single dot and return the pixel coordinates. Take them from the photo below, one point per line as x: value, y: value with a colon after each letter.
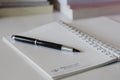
x: 13, y: 67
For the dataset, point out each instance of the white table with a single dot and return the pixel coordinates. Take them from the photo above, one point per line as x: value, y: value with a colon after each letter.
x: 13, y: 67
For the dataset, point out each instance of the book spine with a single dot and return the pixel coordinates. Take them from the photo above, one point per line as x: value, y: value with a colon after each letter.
x: 25, y: 11
x: 19, y: 0
x: 95, y: 5
x: 23, y: 4
x: 76, y: 2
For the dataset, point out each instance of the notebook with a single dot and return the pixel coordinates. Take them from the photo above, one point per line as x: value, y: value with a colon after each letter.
x: 55, y: 64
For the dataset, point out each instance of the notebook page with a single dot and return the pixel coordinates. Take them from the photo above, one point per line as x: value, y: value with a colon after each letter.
x: 55, y: 63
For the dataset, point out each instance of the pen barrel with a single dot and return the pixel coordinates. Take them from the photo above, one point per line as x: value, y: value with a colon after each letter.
x: 49, y: 44
x: 24, y: 39
x: 43, y: 43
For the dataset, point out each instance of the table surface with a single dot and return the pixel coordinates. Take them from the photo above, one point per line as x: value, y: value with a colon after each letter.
x: 13, y: 67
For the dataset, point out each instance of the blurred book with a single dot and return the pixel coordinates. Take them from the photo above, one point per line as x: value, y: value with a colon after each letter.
x: 19, y: 0
x: 21, y: 11
x: 90, y: 10
x: 23, y: 4
x: 77, y: 2
x: 76, y: 9
x: 56, y: 4
x: 24, y: 7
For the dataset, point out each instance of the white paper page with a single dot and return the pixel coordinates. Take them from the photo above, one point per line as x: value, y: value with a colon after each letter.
x: 56, y: 63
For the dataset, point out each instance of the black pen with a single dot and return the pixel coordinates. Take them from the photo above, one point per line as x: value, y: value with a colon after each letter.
x: 43, y: 43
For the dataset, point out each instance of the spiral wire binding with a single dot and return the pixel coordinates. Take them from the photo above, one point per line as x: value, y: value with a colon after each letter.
x: 99, y: 45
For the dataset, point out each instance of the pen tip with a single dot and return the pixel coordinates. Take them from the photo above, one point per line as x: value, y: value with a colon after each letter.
x: 75, y: 50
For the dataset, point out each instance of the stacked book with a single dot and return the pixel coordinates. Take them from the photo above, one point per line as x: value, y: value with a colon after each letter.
x: 76, y: 9
x: 56, y: 4
x: 24, y: 7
